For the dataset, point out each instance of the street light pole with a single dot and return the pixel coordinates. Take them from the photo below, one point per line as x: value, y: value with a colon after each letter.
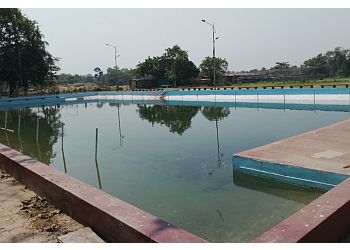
x: 214, y: 38
x: 115, y: 59
x: 20, y: 68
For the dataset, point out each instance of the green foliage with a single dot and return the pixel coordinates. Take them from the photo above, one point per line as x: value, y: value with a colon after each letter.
x: 173, y: 66
x: 70, y: 79
x: 98, y: 74
x: 23, y: 52
x: 333, y: 63
x: 281, y: 65
x: 120, y: 77
x: 317, y: 65
x: 207, y: 68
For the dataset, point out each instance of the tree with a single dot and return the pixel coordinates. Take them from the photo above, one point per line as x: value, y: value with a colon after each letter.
x: 179, y: 68
x: 317, y: 65
x: 336, y: 59
x: 173, y: 67
x: 98, y: 74
x: 281, y: 65
x: 122, y: 77
x: 24, y: 59
x: 207, y: 68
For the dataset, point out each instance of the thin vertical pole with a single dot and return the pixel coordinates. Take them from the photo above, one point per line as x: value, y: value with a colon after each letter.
x: 5, y: 121
x: 284, y: 101
x: 63, y: 156
x: 96, y: 141
x: 97, y: 169
x: 314, y: 101
x: 214, y: 66
x: 218, y: 143
x: 20, y: 69
x: 235, y: 100
x: 19, y: 131
x: 120, y: 130
x: 37, y: 129
x: 37, y: 137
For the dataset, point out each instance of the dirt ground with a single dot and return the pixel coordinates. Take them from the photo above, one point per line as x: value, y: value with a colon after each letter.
x: 26, y: 217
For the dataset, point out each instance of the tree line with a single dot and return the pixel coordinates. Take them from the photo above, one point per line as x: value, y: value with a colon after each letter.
x: 25, y: 62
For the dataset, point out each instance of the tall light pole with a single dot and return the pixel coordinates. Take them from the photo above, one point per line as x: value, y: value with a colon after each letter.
x: 115, y: 59
x: 214, y: 38
x: 20, y: 68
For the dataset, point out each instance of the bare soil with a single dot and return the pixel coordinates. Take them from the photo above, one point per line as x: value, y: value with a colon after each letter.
x: 25, y: 217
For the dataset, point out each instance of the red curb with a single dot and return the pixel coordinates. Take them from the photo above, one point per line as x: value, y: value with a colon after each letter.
x: 114, y: 219
x: 326, y: 219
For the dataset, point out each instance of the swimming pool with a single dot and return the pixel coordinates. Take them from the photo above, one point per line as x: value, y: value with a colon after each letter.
x: 172, y: 160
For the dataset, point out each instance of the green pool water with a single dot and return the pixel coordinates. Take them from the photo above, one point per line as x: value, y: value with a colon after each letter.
x: 172, y: 161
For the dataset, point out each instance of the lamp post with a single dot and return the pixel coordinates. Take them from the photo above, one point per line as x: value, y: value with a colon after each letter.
x: 214, y: 38
x: 20, y: 68
x: 115, y: 58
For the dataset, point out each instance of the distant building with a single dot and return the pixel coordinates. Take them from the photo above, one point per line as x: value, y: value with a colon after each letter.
x: 143, y: 83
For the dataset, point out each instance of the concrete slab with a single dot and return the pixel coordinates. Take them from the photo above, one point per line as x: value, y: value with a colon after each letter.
x: 84, y: 235
x: 325, y: 150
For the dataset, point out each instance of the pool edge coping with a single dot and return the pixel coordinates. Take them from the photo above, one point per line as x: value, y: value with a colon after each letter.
x: 113, y: 219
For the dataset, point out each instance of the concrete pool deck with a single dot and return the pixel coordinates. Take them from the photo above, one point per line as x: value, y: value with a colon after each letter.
x: 326, y: 149
x: 319, y: 156
x: 318, y: 159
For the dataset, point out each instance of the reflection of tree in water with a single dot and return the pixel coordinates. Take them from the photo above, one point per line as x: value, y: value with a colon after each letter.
x: 176, y: 118
x: 215, y: 113
x: 49, y: 128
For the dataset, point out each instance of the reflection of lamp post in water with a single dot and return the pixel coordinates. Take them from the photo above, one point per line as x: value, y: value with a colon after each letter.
x: 218, y: 142
x: 216, y: 114
x: 120, y: 130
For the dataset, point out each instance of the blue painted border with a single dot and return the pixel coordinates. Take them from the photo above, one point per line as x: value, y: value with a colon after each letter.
x: 294, y: 91
x: 287, y: 173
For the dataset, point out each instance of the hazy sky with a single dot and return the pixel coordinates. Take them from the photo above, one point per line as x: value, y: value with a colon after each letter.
x: 249, y: 38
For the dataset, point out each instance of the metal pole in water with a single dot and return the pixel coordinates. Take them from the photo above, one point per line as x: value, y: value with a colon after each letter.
x: 63, y: 156
x: 314, y: 101
x: 19, y: 132
x: 5, y: 121
x: 235, y: 100
x: 97, y: 169
x: 37, y: 129
x: 284, y: 101
x: 96, y: 140
x: 349, y: 100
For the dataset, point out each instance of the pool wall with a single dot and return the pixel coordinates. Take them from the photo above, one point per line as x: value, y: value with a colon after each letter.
x: 286, y: 173
x: 301, y: 99
x: 113, y: 219
x: 326, y: 219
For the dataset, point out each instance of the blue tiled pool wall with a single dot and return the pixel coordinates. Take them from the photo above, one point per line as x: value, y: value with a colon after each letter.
x: 286, y: 173
x: 304, y: 91
x: 49, y: 100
